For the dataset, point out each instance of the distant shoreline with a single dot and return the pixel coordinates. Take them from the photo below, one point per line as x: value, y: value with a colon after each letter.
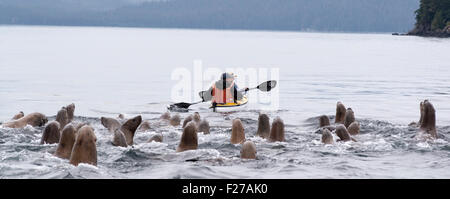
x: 430, y: 34
x: 421, y: 34
x: 196, y: 28
x: 426, y: 35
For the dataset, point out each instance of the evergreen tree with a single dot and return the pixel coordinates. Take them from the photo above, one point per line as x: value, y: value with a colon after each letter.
x: 433, y: 15
x: 438, y: 22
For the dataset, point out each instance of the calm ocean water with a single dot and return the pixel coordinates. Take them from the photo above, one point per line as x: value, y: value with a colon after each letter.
x: 107, y: 71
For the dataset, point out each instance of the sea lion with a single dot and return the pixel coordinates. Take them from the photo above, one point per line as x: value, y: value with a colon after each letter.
x: 324, y: 121
x: 78, y: 125
x: 51, y: 133
x: 189, y: 139
x: 342, y: 133
x: 33, y: 119
x: 187, y: 120
x: 327, y: 138
x: 145, y: 126
x: 237, y: 132
x: 196, y: 117
x: 428, y: 124
x: 62, y: 117
x: 248, y: 150
x: 110, y: 123
x: 203, y: 126
x: 349, y: 117
x: 165, y: 116
x: 175, y: 120
x: 263, y: 126
x: 70, y: 111
x: 121, y: 116
x: 354, y: 128
x: 277, y: 131
x: 119, y: 139
x: 66, y: 142
x: 340, y: 113
x: 18, y: 115
x: 129, y: 128
x: 84, y: 150
x: 156, y: 138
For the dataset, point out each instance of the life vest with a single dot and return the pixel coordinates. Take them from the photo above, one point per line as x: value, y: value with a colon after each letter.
x: 222, y: 96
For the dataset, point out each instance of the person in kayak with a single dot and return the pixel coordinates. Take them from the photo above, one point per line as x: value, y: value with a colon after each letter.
x: 223, y: 91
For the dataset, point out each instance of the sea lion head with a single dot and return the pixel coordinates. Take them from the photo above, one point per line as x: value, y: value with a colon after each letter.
x: 37, y: 119
x: 327, y: 138
x: 189, y: 139
x: 263, y: 126
x: 349, y: 117
x: 129, y: 128
x: 354, y: 128
x: 103, y: 121
x: 196, y: 117
x: 277, y: 131
x: 342, y: 133
x: 156, y: 138
x: 175, y: 120
x: 429, y: 119
x: 237, y: 132
x: 324, y: 121
x: 248, y: 150
x: 78, y: 125
x: 51, y: 133
x: 165, y: 116
x: 145, y: 126
x: 70, y: 111
x: 340, y: 113
x: 187, y: 120
x: 84, y: 149
x: 62, y: 117
x: 66, y: 142
x: 203, y: 126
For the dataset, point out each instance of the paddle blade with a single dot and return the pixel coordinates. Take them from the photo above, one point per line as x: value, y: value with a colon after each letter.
x: 267, y: 86
x: 182, y: 105
x: 201, y: 94
x: 179, y: 107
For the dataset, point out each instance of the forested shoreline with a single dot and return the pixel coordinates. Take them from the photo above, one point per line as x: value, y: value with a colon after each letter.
x: 432, y: 19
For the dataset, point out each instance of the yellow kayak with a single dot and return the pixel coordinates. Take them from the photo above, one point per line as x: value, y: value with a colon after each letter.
x: 231, y: 106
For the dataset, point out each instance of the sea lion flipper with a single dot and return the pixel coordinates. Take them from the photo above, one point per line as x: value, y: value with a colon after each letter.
x: 129, y: 128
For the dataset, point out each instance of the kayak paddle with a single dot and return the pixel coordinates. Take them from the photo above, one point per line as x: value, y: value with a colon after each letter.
x: 265, y: 87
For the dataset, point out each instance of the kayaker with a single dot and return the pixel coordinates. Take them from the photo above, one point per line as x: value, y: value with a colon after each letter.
x: 224, y: 91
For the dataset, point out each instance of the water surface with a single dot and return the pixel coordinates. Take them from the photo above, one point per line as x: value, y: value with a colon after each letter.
x: 107, y: 71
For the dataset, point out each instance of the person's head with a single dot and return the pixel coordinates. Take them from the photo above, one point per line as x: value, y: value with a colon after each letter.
x: 228, y: 77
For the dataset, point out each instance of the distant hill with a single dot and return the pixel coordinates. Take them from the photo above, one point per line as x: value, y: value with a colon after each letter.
x: 294, y: 15
x: 433, y: 18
